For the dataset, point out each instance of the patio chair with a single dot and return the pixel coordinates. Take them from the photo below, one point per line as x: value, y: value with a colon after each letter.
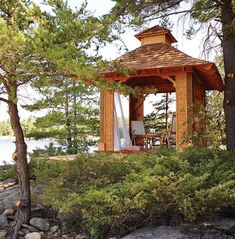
x: 140, y: 137
x: 138, y: 134
x: 169, y: 135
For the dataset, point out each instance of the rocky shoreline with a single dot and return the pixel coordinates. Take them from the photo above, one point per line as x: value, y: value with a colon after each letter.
x: 48, y: 223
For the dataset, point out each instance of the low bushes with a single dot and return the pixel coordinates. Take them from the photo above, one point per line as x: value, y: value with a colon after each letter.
x: 7, y: 171
x: 114, y: 194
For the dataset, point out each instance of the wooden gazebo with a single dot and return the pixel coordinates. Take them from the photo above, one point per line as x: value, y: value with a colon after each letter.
x: 156, y: 64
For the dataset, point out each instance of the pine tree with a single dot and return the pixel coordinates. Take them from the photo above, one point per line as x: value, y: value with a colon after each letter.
x: 159, y: 118
x: 42, y: 45
x: 72, y: 113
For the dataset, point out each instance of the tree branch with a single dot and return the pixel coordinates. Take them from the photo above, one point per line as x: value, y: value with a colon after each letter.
x: 169, y: 7
x: 173, y: 13
x: 3, y: 67
x: 219, y: 3
x: 4, y: 100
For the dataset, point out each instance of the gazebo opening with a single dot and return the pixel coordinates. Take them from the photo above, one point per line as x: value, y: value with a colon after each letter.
x: 158, y: 112
x: 155, y: 67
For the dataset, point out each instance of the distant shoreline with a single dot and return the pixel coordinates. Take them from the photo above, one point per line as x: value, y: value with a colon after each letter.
x: 7, y: 136
x: 13, y: 137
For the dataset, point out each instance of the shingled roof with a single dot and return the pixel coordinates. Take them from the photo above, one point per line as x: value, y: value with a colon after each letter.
x: 158, y: 55
x: 164, y: 56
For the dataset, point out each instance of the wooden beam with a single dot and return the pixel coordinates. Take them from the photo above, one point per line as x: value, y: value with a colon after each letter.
x: 159, y: 89
x: 161, y: 72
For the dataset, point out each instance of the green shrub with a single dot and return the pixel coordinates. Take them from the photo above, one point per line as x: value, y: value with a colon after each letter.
x: 7, y: 171
x: 115, y: 194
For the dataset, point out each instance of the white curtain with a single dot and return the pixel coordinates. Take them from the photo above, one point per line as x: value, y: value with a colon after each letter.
x: 121, y: 133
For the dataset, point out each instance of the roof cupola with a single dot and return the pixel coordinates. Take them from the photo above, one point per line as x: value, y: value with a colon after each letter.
x: 156, y: 34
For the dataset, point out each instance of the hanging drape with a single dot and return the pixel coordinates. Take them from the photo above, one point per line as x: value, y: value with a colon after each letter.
x: 121, y: 133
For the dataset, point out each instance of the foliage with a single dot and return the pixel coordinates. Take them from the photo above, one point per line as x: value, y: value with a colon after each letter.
x: 46, y: 169
x: 5, y: 128
x: 48, y: 151
x: 114, y: 194
x: 7, y: 171
x: 208, y: 125
x: 27, y: 125
x: 215, y: 119
x: 72, y: 113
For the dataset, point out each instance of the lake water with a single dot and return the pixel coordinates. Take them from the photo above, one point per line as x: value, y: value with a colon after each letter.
x: 7, y: 147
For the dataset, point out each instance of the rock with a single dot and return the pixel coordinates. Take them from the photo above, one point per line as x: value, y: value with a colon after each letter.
x: 30, y: 228
x: 43, y: 235
x: 9, y: 194
x: 7, y: 183
x: 43, y: 212
x: 25, y: 231
x: 82, y: 236
x: 65, y: 237
x: 20, y: 233
x: 33, y: 235
x: 3, y: 221
x: 226, y: 224
x: 162, y: 232
x: 40, y: 223
x: 9, y: 212
x: 53, y: 230
x: 3, y: 234
x: 8, y: 198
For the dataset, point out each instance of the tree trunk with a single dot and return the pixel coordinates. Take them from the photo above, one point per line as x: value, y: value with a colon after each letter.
x: 67, y: 118
x: 20, y: 158
x: 75, y: 130
x: 228, y: 45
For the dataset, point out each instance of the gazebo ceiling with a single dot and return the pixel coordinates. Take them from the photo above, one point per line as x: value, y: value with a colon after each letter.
x: 151, y: 82
x: 152, y: 59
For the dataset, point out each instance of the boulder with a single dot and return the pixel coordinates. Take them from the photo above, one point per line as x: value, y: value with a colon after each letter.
x: 53, y: 230
x: 30, y: 228
x: 3, y: 234
x: 25, y: 231
x: 82, y: 236
x: 8, y: 198
x: 40, y: 223
x: 225, y: 223
x: 33, y: 235
x: 3, y: 221
x: 161, y: 232
x: 9, y: 212
x: 9, y: 194
x: 20, y: 233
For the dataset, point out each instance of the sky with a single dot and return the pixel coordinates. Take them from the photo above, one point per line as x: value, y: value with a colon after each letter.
x: 98, y: 7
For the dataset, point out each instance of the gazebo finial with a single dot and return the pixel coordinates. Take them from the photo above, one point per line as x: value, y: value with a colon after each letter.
x: 156, y: 34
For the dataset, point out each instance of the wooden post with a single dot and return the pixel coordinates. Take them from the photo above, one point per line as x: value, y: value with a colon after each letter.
x: 136, y: 112
x: 136, y: 108
x: 184, y: 101
x: 106, y: 121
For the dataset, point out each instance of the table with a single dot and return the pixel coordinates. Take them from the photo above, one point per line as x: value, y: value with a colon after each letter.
x: 152, y: 138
